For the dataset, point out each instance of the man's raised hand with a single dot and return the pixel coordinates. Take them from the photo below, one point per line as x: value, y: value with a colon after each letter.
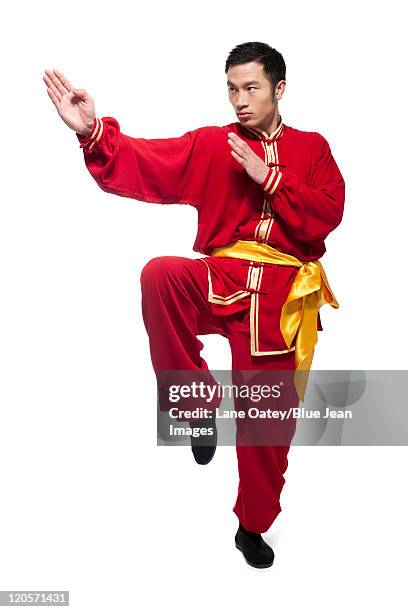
x: 75, y: 106
x: 245, y: 156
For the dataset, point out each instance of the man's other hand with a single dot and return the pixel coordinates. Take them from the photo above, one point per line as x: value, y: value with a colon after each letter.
x: 75, y: 106
x: 245, y: 156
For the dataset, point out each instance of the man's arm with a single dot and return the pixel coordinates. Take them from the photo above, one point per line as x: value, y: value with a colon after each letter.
x: 310, y: 212
x: 160, y: 170
x: 157, y: 170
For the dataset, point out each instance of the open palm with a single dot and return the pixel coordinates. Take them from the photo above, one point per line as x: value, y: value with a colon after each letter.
x: 75, y: 106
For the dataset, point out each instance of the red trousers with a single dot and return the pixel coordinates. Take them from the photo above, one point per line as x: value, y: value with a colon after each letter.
x: 175, y: 310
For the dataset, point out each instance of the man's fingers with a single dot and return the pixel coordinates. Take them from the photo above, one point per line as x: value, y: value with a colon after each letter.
x: 52, y: 87
x: 56, y: 82
x: 239, y: 143
x: 63, y: 80
x: 237, y: 157
x: 237, y: 147
x: 53, y: 97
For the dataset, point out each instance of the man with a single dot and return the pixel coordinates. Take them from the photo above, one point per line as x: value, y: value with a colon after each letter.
x: 267, y: 195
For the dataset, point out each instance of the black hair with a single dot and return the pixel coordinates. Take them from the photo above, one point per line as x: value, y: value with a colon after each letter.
x: 272, y: 61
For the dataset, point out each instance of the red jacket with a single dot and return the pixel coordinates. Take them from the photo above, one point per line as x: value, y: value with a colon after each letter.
x: 300, y: 203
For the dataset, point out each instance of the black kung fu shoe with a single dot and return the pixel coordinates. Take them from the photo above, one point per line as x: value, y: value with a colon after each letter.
x: 204, y: 445
x: 254, y: 548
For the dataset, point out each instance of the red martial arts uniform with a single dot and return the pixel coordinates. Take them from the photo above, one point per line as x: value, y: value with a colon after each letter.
x: 299, y: 204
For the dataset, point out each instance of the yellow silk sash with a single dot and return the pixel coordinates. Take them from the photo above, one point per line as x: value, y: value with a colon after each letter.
x: 309, y: 291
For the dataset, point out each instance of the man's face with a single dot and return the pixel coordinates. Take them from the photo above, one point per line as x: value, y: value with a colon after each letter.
x: 250, y: 91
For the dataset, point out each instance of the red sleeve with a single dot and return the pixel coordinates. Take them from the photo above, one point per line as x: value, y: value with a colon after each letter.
x: 309, y: 211
x: 157, y: 170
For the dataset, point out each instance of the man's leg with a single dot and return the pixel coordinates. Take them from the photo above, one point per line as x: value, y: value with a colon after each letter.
x: 261, y: 467
x: 175, y: 310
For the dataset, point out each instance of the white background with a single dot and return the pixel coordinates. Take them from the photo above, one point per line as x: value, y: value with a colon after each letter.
x: 88, y: 501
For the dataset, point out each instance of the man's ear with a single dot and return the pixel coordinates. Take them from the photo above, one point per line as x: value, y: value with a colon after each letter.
x: 280, y: 89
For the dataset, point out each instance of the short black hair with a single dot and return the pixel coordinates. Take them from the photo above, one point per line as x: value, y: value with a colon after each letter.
x: 272, y: 61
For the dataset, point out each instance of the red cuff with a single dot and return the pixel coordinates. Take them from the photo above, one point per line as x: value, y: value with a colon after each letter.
x: 88, y: 142
x: 271, y: 181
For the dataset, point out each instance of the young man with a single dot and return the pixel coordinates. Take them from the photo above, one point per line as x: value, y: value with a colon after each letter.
x: 267, y: 195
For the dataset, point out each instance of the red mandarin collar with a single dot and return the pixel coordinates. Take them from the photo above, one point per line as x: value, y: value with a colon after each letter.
x: 262, y: 134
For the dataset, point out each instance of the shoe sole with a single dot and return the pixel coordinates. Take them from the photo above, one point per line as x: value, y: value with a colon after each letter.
x: 259, y: 566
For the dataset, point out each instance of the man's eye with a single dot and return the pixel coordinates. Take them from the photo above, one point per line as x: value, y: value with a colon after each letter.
x: 232, y: 88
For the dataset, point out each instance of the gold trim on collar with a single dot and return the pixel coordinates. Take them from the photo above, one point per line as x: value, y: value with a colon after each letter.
x: 262, y: 134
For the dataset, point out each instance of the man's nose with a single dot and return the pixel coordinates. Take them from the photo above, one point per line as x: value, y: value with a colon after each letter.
x: 241, y: 101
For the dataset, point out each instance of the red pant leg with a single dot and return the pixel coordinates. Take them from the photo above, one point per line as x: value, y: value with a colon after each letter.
x: 260, y: 467
x: 175, y: 310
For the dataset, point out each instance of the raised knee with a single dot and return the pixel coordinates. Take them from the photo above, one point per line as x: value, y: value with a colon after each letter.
x: 152, y: 270
x: 158, y: 267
